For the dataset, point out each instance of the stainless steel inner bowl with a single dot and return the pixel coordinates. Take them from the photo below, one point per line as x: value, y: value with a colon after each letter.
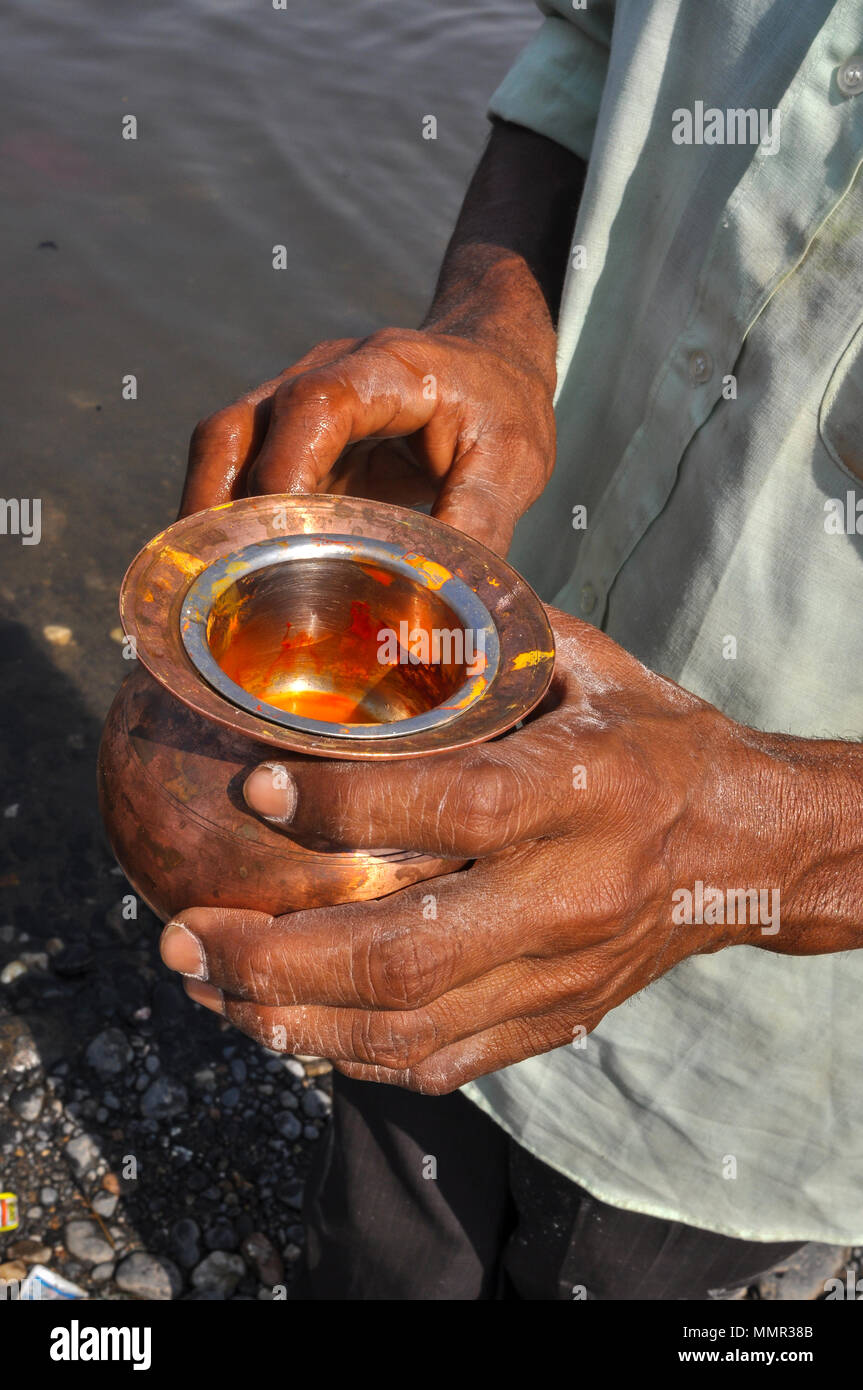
x: 340, y: 635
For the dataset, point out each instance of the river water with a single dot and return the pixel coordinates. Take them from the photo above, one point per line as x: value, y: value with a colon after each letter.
x: 256, y: 127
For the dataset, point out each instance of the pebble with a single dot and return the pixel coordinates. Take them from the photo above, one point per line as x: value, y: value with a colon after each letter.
x: 152, y: 1063
x: 84, y: 1152
x: 149, y: 1276
x: 100, y: 1274
x: 85, y: 1241
x: 185, y: 1242
x: 289, y: 1100
x: 316, y: 1104
x: 239, y: 1070
x: 32, y: 1252
x: 48, y: 1196
x: 28, y: 1104
x: 288, y: 1126
x: 7, y: 934
x: 13, y: 971
x: 264, y: 1258
x: 73, y: 960
x: 109, y: 1052
x: 219, y: 1273
x: 105, y: 1204
x: 57, y: 634
x: 163, y: 1098
x: 230, y: 1098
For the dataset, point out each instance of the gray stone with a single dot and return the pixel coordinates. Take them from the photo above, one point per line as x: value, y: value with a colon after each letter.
x: 230, y: 1098
x: 28, y: 1104
x: 149, y: 1276
x: 18, y: 1050
x: 219, y: 1273
x: 802, y: 1276
x: 109, y: 1052
x: 264, y: 1258
x: 289, y: 1100
x: 239, y: 1070
x: 163, y: 1098
x: 186, y: 1242
x: 152, y: 1063
x: 84, y: 1152
x: 100, y: 1274
x: 85, y: 1241
x: 288, y: 1125
x: 316, y: 1104
x: 48, y: 1196
x: 105, y: 1204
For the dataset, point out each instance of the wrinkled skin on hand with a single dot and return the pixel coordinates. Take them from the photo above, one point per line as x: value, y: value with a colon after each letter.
x: 581, y: 825
x: 405, y: 416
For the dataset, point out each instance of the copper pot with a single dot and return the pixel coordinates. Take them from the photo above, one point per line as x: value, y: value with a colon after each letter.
x: 322, y: 626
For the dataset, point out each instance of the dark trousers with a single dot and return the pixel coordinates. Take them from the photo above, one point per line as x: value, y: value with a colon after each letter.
x: 424, y: 1197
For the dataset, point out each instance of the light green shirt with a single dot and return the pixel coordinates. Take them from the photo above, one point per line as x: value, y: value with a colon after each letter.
x: 710, y: 412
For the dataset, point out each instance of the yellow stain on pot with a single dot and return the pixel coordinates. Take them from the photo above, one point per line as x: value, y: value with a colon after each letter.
x: 530, y: 659
x: 435, y: 575
x: 477, y: 686
x: 189, y: 565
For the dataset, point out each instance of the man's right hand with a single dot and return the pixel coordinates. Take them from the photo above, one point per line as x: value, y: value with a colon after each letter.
x: 457, y: 413
x: 408, y: 416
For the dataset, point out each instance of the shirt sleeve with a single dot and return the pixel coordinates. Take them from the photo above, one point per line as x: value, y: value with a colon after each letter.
x: 555, y: 85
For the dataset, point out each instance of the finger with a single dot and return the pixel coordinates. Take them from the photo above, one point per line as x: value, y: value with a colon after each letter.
x: 399, y: 952
x: 586, y: 982
x: 219, y: 452
x: 453, y: 1066
x: 394, y: 1038
x: 224, y: 445
x: 461, y: 805
x: 318, y: 413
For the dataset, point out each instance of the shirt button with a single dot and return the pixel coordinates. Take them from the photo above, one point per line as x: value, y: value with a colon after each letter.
x: 700, y: 366
x: 849, y: 78
x: 588, y: 598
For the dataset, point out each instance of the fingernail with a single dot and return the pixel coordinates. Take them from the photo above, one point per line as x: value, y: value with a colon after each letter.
x: 208, y: 995
x: 182, y: 951
x: 272, y: 792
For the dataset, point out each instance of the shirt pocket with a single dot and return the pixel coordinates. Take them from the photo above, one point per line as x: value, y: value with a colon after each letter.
x: 840, y: 415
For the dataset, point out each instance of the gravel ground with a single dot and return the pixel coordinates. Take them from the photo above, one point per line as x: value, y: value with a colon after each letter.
x: 155, y: 1152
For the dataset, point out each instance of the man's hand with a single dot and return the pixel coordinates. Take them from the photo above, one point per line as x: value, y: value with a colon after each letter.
x: 456, y: 414
x: 585, y: 826
x: 408, y: 416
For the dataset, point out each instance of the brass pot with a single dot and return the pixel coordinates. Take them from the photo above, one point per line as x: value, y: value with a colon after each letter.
x: 323, y: 626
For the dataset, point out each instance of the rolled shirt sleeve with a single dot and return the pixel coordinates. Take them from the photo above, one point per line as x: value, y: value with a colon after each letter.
x: 555, y: 85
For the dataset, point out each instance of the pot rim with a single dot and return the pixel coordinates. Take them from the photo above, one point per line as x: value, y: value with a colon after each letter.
x: 159, y: 579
